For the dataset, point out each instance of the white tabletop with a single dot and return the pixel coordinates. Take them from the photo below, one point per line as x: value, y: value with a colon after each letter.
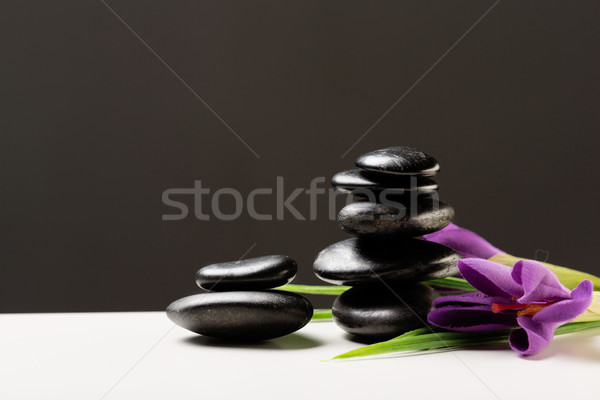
x: 143, y: 355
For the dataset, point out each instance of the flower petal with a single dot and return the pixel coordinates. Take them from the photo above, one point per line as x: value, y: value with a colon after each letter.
x: 466, y: 300
x: 539, y: 282
x: 466, y: 242
x: 566, y: 310
x: 533, y: 338
x: 489, y: 277
x: 470, y: 319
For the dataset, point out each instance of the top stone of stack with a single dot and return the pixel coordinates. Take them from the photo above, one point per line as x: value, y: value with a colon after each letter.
x: 401, y: 160
x: 384, y: 227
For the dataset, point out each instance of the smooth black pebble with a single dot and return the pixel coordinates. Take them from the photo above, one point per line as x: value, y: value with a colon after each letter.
x: 242, y: 315
x: 361, y: 183
x: 400, y: 220
x: 249, y: 274
x: 358, y: 262
x: 381, y: 312
x: 400, y: 160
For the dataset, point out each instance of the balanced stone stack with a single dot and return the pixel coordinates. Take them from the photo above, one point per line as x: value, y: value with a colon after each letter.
x: 386, y: 260
x: 240, y: 304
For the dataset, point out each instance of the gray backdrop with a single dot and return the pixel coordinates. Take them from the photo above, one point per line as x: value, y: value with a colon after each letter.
x: 94, y: 127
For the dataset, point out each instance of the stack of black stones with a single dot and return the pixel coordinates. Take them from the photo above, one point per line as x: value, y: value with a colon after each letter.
x: 386, y: 260
x: 383, y: 263
x: 241, y: 304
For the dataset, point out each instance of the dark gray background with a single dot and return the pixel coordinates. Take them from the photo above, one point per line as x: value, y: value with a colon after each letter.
x: 94, y: 128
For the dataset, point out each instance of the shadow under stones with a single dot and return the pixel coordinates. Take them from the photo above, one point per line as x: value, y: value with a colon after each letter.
x: 293, y: 341
x: 364, y: 340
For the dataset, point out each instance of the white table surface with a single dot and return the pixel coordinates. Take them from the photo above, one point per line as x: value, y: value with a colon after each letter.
x: 143, y: 355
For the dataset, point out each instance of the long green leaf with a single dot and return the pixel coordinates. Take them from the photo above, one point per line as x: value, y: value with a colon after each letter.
x: 422, y: 340
x: 576, y: 327
x: 320, y: 314
x: 452, y: 283
x: 314, y: 289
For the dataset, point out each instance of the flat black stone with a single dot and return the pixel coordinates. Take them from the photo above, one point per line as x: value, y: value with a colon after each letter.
x: 399, y: 161
x: 357, y: 181
x: 250, y: 274
x: 358, y: 262
x: 381, y: 312
x: 398, y: 219
x: 242, y: 315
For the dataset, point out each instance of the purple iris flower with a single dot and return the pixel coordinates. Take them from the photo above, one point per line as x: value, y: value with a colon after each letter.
x: 528, y: 296
x: 466, y: 242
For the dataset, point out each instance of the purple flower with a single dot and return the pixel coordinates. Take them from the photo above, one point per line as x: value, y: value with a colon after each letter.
x: 466, y: 242
x: 527, y: 296
x: 470, y: 244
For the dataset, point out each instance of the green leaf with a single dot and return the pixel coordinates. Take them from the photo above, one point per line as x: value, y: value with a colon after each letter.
x: 314, y: 289
x: 576, y: 327
x: 453, y: 283
x: 424, y: 339
x: 320, y: 314
x: 427, y: 341
x: 450, y: 282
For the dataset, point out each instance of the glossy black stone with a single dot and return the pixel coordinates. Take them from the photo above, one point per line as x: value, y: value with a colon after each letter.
x: 357, y: 262
x: 249, y: 274
x: 400, y: 160
x: 401, y: 220
x: 381, y: 312
x: 242, y: 315
x: 357, y: 181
